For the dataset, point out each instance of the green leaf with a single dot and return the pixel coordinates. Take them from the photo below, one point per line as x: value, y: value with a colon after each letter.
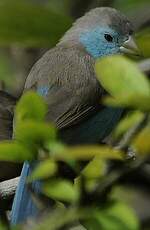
x: 61, y: 190
x: 124, y: 82
x: 30, y: 24
x: 3, y: 227
x: 30, y: 106
x: 88, y: 152
x: 95, y: 168
x: 118, y: 216
x: 143, y: 38
x: 59, y: 218
x: 15, y: 152
x: 122, y: 78
x: 56, y: 147
x: 132, y: 101
x: 142, y: 141
x: 127, y: 122
x: 35, y: 134
x: 92, y: 172
x: 45, y: 169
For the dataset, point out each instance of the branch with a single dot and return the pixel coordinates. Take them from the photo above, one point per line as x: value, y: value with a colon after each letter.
x: 129, y: 135
x: 8, y: 188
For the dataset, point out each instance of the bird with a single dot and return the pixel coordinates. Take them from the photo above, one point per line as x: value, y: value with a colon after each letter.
x: 66, y: 79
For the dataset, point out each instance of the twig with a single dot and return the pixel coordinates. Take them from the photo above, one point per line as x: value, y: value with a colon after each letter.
x: 8, y: 188
x: 128, y: 136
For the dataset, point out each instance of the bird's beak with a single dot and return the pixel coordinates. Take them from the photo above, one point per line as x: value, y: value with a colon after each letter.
x: 130, y: 47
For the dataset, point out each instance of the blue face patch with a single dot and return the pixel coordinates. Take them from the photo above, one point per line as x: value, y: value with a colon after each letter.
x: 96, y: 44
x: 43, y: 90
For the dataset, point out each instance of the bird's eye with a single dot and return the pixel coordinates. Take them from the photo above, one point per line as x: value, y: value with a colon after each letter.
x: 108, y: 37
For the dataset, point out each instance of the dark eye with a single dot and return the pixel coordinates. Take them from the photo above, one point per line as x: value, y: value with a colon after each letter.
x: 108, y: 37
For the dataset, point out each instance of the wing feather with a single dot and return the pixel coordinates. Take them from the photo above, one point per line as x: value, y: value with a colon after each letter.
x: 73, y: 90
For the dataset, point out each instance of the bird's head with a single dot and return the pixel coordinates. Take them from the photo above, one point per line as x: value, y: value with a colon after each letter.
x: 102, y: 31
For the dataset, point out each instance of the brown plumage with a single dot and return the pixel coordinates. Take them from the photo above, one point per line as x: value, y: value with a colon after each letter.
x: 74, y: 91
x: 68, y: 70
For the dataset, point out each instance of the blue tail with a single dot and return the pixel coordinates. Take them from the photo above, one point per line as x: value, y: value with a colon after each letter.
x: 23, y: 206
x: 91, y: 131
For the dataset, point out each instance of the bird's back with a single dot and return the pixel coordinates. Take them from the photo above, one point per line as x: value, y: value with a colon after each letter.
x: 65, y: 77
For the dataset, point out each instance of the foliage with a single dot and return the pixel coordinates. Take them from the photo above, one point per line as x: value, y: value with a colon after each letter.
x: 131, y: 88
x: 19, y: 22
x: 36, y: 139
x: 142, y: 38
x: 97, y: 169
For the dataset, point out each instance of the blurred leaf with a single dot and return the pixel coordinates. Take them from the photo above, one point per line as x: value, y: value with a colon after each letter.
x: 45, y: 169
x: 142, y: 141
x: 30, y: 106
x: 127, y: 122
x: 88, y: 152
x: 56, y: 147
x: 126, y: 193
x: 92, y: 172
x: 60, y: 6
x: 124, y: 81
x: 30, y: 24
x: 118, y: 216
x: 143, y: 38
x: 61, y: 189
x: 59, y: 218
x: 2, y: 227
x: 130, y: 5
x: 95, y: 168
x: 15, y: 152
x: 35, y: 134
x: 6, y: 70
x: 122, y: 78
x: 135, y: 101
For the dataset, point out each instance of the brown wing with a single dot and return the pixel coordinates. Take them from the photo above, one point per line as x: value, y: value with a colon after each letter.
x: 73, y: 91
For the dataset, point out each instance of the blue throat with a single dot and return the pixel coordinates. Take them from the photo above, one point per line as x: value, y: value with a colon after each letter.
x: 95, y: 43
